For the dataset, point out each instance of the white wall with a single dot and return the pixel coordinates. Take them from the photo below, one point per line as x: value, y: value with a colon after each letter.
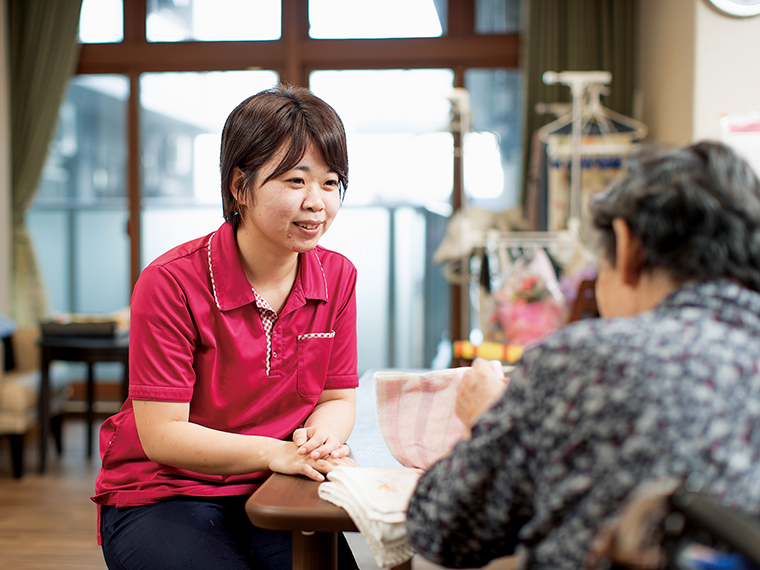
x: 666, y: 69
x: 695, y: 65
x: 726, y: 79
x: 5, y: 182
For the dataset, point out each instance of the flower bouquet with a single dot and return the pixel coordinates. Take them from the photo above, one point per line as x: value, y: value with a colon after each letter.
x: 529, y: 304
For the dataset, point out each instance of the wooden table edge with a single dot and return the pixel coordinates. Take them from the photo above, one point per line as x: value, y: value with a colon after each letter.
x: 303, y: 509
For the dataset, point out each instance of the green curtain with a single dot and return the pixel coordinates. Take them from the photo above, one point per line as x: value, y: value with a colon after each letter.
x: 577, y: 35
x: 43, y: 50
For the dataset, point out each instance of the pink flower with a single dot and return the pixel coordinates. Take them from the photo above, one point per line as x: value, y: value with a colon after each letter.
x: 525, y: 323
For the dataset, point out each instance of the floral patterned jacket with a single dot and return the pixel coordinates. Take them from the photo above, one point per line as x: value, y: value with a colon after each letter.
x: 592, y: 411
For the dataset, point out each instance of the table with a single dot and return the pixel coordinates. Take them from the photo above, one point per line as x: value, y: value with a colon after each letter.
x: 287, y: 502
x: 78, y: 349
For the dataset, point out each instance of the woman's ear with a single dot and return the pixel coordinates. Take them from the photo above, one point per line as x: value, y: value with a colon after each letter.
x: 628, y: 252
x: 237, y: 183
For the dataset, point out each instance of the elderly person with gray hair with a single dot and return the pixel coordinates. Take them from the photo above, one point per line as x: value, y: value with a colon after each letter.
x: 665, y: 385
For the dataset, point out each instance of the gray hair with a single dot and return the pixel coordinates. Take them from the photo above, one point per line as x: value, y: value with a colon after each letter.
x: 695, y: 212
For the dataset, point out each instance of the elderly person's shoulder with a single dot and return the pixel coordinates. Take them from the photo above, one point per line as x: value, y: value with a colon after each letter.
x: 720, y: 299
x: 694, y: 317
x: 600, y: 337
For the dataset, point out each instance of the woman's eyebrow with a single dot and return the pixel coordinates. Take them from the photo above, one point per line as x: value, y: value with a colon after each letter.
x: 307, y: 168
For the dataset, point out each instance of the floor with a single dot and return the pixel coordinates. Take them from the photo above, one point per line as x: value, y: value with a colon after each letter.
x: 47, y: 522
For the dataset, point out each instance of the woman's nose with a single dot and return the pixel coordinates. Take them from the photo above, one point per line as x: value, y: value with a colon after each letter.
x: 313, y: 198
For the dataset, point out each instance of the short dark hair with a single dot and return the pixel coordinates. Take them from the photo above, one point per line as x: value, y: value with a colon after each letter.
x: 262, y: 124
x: 695, y: 212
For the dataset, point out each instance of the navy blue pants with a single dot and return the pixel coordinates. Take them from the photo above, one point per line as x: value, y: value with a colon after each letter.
x: 193, y: 533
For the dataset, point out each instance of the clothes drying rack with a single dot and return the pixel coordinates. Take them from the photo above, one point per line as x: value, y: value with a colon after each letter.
x: 584, y: 117
x: 587, y: 118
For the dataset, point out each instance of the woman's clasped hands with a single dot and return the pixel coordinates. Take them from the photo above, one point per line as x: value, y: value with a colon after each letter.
x: 313, y: 453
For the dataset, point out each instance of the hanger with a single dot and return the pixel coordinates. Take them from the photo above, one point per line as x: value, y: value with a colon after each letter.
x: 585, y: 89
x: 596, y: 120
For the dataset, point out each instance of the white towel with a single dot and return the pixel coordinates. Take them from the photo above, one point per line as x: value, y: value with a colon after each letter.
x: 376, y: 499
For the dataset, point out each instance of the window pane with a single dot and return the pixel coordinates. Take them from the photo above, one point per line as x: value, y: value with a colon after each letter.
x: 101, y: 21
x: 497, y: 16
x: 340, y: 19
x: 78, y: 221
x: 397, y: 124
x: 213, y: 20
x: 372, y: 275
x: 180, y: 137
x: 401, y: 176
x: 493, y: 148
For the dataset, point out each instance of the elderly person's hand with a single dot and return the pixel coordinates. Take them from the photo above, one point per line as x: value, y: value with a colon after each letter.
x: 478, y: 390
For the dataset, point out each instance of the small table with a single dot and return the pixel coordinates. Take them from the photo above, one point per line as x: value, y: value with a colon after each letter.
x: 288, y: 502
x: 78, y: 349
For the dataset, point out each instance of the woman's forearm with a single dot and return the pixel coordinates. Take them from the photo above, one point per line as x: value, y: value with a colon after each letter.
x: 197, y: 448
x: 168, y: 437
x: 335, y: 413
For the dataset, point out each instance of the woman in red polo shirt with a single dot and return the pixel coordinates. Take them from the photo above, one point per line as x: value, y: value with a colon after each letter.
x: 242, y: 353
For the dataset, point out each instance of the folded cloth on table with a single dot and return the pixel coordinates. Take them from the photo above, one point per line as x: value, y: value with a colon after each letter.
x: 376, y: 499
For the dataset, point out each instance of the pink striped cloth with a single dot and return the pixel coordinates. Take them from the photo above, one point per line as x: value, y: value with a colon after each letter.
x: 415, y: 414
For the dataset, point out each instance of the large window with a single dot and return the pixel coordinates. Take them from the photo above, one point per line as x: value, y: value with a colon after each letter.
x: 101, y: 21
x: 78, y: 221
x: 180, y: 140
x: 342, y: 19
x: 492, y: 151
x: 213, y: 20
x: 400, y: 155
x: 397, y: 125
x: 133, y: 169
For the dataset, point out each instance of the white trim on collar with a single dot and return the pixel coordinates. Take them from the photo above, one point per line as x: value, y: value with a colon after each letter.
x: 211, y: 272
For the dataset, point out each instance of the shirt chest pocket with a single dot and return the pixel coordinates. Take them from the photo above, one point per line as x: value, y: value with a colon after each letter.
x: 314, y: 351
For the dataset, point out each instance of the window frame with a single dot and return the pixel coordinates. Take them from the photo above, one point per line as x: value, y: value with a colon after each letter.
x: 294, y: 56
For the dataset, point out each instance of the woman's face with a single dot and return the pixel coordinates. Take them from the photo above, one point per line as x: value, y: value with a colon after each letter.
x: 289, y: 213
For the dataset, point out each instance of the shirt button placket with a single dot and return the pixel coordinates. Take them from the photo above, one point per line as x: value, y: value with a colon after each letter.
x: 275, y: 347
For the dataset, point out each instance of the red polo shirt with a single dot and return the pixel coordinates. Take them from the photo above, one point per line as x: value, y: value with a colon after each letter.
x: 197, y: 336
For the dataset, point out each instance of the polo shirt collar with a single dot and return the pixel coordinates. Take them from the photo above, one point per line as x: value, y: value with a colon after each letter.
x: 230, y: 286
x: 312, y: 275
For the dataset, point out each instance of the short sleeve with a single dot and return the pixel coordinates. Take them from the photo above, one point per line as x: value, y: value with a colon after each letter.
x: 162, y: 339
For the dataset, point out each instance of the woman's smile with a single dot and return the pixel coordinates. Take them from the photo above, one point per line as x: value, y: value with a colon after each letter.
x: 308, y: 225
x: 289, y: 213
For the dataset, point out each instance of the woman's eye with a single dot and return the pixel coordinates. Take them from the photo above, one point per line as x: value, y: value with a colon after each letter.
x: 332, y: 183
x: 296, y: 180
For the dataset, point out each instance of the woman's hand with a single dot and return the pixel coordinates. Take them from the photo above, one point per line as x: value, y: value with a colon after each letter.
x: 317, y: 443
x: 328, y: 426
x: 478, y: 390
x: 318, y: 446
x: 290, y: 461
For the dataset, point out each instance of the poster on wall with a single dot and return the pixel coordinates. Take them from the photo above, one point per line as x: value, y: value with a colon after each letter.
x: 742, y: 133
